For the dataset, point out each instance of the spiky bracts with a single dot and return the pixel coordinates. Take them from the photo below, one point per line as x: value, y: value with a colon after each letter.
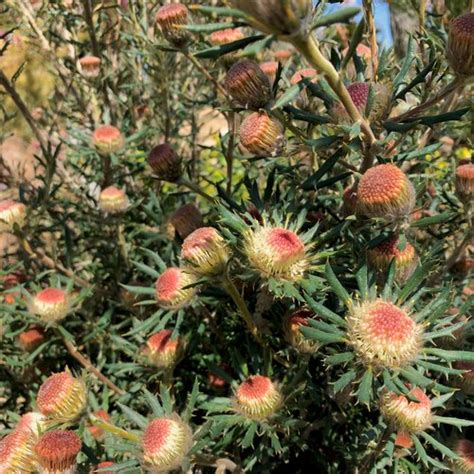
x: 171, y: 288
x: 113, y: 200
x: 170, y: 18
x: 385, y: 191
x: 461, y: 44
x: 165, y: 443
x: 62, y: 397
x: 465, y: 463
x: 56, y: 452
x: 257, y: 397
x: 16, y: 453
x: 165, y: 163
x: 383, y: 335
x: 407, y: 415
x: 11, y: 213
x: 50, y: 304
x: 107, y: 139
x: 162, y: 350
x: 291, y: 328
x: 206, y: 251
x: 465, y: 182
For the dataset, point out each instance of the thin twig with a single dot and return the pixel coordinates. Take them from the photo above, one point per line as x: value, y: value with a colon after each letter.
x: 369, y: 15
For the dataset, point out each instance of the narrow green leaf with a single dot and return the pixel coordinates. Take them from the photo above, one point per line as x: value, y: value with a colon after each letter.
x: 146, y: 269
x: 420, y: 450
x: 154, y: 404
x: 341, y: 358
x: 166, y: 399
x: 452, y: 421
x: 362, y: 283
x: 324, y: 312
x: 444, y: 450
x: 320, y: 336
x: 344, y: 380
x: 450, y: 356
x: 341, y: 16
x: 133, y: 416
x: 336, y: 285
x: 249, y: 436
x: 364, y: 392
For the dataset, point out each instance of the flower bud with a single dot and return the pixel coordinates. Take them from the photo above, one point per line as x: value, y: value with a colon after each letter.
x: 289, y: 18
x: 165, y: 163
x: 380, y: 257
x: 257, y: 397
x: 11, y: 213
x: 262, y: 135
x: 206, y: 251
x: 96, y: 431
x: 406, y: 415
x: 461, y: 44
x: 103, y: 465
x: 282, y: 55
x: 90, y: 66
x: 186, y: 220
x: 16, y: 453
x: 50, y: 304
x: 107, y: 139
x: 163, y: 351
x: 291, y: 328
x: 276, y: 252
x: 385, y: 191
x: 165, y: 443
x: 170, y: 17
x: 171, y: 288
x: 270, y: 68
x: 30, y: 339
x: 465, y: 381
x: 465, y: 462
x: 403, y: 440
x: 56, y: 452
x: 465, y: 182
x: 113, y: 200
x: 32, y: 423
x: 229, y: 35
x: 303, y: 101
x: 62, y: 397
x: 248, y: 85
x: 383, y: 335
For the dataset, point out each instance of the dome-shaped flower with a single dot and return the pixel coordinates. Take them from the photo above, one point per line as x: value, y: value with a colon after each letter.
x: 465, y: 463
x: 62, y: 397
x: 16, y: 453
x: 50, y: 304
x: 11, y: 213
x: 229, y: 35
x: 113, y: 200
x: 32, y: 422
x: 291, y: 328
x: 171, y: 288
x: 465, y: 182
x: 404, y: 414
x: 262, y: 135
x: 90, y: 66
x: 385, y: 191
x: 383, y: 335
x: 461, y: 44
x: 56, y: 452
x: 170, y: 17
x: 107, y: 139
x: 163, y: 351
x: 165, y: 163
x: 257, y: 397
x: 165, y: 443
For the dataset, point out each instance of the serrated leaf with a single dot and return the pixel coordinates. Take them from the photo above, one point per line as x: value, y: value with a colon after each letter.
x: 341, y: 358
x: 324, y: 312
x: 344, y: 380
x: 450, y: 356
x: 133, y: 416
x: 444, y: 450
x: 336, y: 285
x: 452, y: 421
x: 364, y: 392
x: 249, y: 435
x: 154, y: 404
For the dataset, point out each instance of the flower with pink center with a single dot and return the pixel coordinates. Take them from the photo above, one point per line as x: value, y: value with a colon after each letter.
x: 262, y: 135
x: 11, y: 213
x: 292, y: 324
x: 403, y: 440
x: 270, y: 68
x: 303, y: 100
x: 229, y: 35
x: 113, y: 200
x: 461, y: 44
x: 32, y: 422
x: 465, y: 450
x: 50, y: 304
x: 165, y: 443
x: 206, y: 251
x: 465, y: 182
x: 385, y: 191
x: 107, y: 139
x: 169, y: 18
x: 56, y: 452
x: 90, y: 66
x: 30, y: 339
x: 16, y: 453
x: 162, y: 350
x: 62, y: 397
x: 172, y: 289
x: 257, y: 397
x: 383, y: 335
x: 276, y: 252
x: 407, y: 415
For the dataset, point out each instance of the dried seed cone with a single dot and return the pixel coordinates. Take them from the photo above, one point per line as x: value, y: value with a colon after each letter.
x: 113, y: 200
x: 50, y: 304
x: 165, y: 443
x: 165, y: 163
x: 62, y: 397
x: 291, y: 328
x: 170, y: 288
x: 465, y: 463
x: 56, y: 452
x: 170, y: 17
x: 461, y: 45
x: 262, y: 135
x: 163, y: 351
x: 11, y: 213
x: 383, y: 335
x: 406, y: 415
x: 90, y: 66
x: 186, y: 220
x: 206, y: 251
x: 16, y: 453
x: 257, y: 397
x: 465, y: 182
x: 380, y: 257
x: 248, y: 85
x: 107, y: 139
x: 385, y: 191
x: 276, y: 252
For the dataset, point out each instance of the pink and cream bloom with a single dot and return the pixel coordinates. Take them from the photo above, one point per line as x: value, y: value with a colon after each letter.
x: 32, y: 423
x: 113, y: 200
x: 172, y: 289
x: 30, y: 339
x: 309, y: 73
x: 165, y: 443
x: 385, y: 191
x: 465, y: 182
x: 107, y: 139
x: 206, y: 251
x: 407, y: 415
x: 50, y: 304
x: 403, y: 440
x: 62, y: 397
x: 257, y: 397
x: 465, y: 462
x: 56, y: 452
x: 11, y: 213
x: 262, y: 135
x: 16, y: 453
x: 383, y: 335
x: 90, y: 66
x: 171, y: 18
x: 276, y: 252
x: 292, y: 325
x: 270, y: 68
x: 229, y: 35
x: 162, y: 350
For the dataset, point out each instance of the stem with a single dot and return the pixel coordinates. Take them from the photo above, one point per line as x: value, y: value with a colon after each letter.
x: 196, y: 189
x: 369, y: 15
x: 229, y: 156
x: 114, y: 429
x: 369, y: 460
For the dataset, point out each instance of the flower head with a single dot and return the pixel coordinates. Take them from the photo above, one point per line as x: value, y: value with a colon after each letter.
x: 383, y: 335
x: 56, y: 452
x: 465, y: 450
x: 165, y: 163
x: 62, y: 397
x: 16, y: 453
x: 113, y: 200
x: 32, y: 423
x: 50, y: 304
x: 229, y: 35
x: 283, y: 55
x: 30, y: 339
x: 404, y: 414
x: 170, y: 18
x: 461, y: 44
x: 403, y: 440
x: 171, y: 288
x: 270, y: 68
x: 206, y: 251
x: 107, y: 139
x: 90, y: 66
x: 465, y: 182
x: 257, y: 397
x: 11, y: 213
x: 309, y: 73
x: 162, y: 350
x: 291, y: 328
x: 186, y: 220
x: 262, y: 135
x: 165, y: 443
x: 385, y: 191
